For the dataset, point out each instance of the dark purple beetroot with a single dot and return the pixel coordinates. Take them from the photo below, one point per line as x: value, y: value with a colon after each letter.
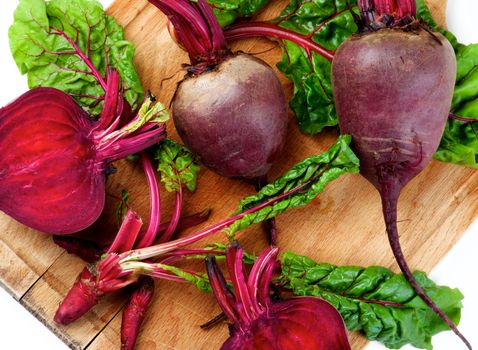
x: 393, y: 85
x: 233, y: 117
x: 393, y: 93
x: 230, y: 109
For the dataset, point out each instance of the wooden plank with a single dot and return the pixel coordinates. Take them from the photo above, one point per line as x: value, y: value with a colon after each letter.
x: 435, y: 209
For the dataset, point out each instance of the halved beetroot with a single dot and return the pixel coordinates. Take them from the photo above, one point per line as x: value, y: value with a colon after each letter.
x: 305, y: 323
x: 54, y: 157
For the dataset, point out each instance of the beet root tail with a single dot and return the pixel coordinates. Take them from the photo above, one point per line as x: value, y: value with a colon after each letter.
x: 79, y: 300
x: 135, y: 312
x: 390, y: 192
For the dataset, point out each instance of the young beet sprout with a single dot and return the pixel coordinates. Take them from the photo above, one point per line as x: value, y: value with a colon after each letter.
x: 260, y: 323
x: 55, y: 157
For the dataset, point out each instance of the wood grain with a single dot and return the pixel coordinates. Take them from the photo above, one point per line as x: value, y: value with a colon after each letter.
x: 343, y: 226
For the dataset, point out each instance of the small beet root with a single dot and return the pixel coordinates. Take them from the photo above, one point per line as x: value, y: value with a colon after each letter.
x: 135, y: 311
x: 79, y: 300
x: 260, y: 323
x: 234, y: 117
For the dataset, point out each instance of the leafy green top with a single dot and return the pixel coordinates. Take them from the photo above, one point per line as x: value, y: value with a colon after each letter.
x: 374, y: 300
x: 177, y: 166
x: 47, y: 36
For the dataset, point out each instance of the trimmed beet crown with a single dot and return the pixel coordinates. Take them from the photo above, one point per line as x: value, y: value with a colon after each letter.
x: 259, y: 322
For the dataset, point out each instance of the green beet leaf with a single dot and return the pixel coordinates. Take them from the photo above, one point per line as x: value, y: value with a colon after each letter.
x: 459, y: 143
x: 374, y: 300
x: 50, y: 60
x: 330, y: 22
x: 228, y: 11
x: 176, y: 165
x: 304, y: 181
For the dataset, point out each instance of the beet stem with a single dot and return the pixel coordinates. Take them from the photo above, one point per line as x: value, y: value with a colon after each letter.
x: 214, y: 321
x: 197, y: 29
x: 150, y: 252
x: 255, y: 29
x: 175, y: 217
x: 390, y: 191
x: 462, y: 119
x: 270, y: 225
x: 224, y: 297
x: 155, y: 204
x: 127, y: 233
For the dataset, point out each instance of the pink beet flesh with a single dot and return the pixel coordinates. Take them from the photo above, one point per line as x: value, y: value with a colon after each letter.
x: 48, y: 177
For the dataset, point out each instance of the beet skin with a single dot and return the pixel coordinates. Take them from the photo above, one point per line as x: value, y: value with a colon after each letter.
x: 233, y: 117
x: 393, y: 92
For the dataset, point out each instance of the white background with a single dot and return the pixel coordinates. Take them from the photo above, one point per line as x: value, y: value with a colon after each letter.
x: 21, y: 331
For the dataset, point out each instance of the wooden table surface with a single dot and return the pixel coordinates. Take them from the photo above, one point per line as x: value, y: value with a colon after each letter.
x: 342, y: 226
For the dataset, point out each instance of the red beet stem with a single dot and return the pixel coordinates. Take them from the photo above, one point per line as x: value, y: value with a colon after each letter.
x: 166, y: 236
x: 88, y: 251
x: 151, y: 252
x: 127, y: 233
x: 224, y: 297
x: 271, y: 224
x: 135, y: 311
x: 463, y: 119
x: 79, y: 300
x: 187, y: 221
x: 110, y: 107
x: 154, y: 202
x: 390, y: 191
x: 197, y: 29
x: 261, y: 29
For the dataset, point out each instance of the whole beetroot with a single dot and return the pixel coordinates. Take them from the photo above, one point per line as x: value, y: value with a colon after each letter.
x: 230, y: 109
x: 393, y: 85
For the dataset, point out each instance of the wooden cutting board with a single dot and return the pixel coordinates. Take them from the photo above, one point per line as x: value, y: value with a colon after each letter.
x: 342, y: 226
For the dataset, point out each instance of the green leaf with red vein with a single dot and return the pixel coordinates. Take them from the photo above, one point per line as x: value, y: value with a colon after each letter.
x: 46, y: 39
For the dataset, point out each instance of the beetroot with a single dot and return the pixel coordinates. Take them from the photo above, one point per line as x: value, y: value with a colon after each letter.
x: 260, y: 323
x: 230, y: 109
x: 55, y: 157
x: 393, y: 85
